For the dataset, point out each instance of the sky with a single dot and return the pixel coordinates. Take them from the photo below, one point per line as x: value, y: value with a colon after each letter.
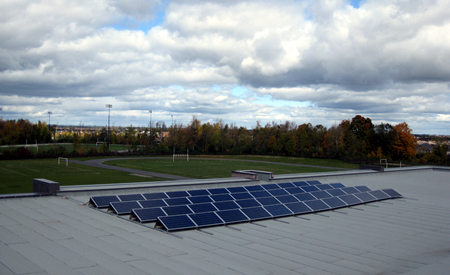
x: 311, y: 61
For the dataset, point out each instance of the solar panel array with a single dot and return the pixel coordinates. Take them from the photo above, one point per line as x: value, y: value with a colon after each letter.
x: 178, y: 210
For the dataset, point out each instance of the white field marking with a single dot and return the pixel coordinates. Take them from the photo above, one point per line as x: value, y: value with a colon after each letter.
x: 22, y: 167
x: 15, y: 172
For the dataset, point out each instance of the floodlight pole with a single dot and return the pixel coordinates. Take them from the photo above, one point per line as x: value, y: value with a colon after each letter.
x: 109, y: 106
x: 49, y: 113
x: 150, y: 111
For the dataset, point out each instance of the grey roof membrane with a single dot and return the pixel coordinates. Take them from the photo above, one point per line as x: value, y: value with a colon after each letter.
x: 61, y: 235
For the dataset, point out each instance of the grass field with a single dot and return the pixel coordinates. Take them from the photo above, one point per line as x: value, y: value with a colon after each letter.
x: 204, y: 169
x: 16, y: 176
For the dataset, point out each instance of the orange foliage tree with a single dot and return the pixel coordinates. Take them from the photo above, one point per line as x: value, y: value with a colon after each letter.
x: 405, y: 147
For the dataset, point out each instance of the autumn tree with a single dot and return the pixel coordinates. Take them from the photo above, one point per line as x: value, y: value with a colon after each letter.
x: 405, y: 147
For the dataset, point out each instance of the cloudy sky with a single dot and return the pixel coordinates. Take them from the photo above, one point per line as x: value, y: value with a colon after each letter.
x: 311, y: 61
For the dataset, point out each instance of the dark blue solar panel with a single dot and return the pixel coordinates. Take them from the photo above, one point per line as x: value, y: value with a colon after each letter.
x: 365, y: 197
x: 260, y: 194
x: 337, y: 185
x: 154, y: 196
x: 392, y: 193
x: 241, y: 196
x: 298, y: 208
x: 286, y: 184
x: 336, y: 192
x: 320, y: 194
x: 350, y: 190
x: 200, y: 199
x: 380, y: 195
x: 222, y: 197
x: 324, y: 186
x: 121, y: 208
x: 177, y: 194
x: 313, y: 182
x: 132, y: 197
x: 206, y: 219
x: 177, y: 201
x: 179, y: 222
x: 278, y: 210
x: 176, y: 210
x: 254, y: 188
x: 152, y: 203
x: 103, y: 201
x: 268, y: 201
x: 317, y: 205
x: 363, y: 188
x: 300, y: 183
x: 294, y: 190
x: 202, y: 207
x: 334, y: 202
x: 304, y: 197
x: 237, y: 190
x: 232, y: 216
x: 202, y: 192
x: 148, y: 214
x: 256, y: 213
x: 350, y: 200
x: 270, y: 186
x: 226, y: 205
x: 248, y: 203
x: 278, y: 192
x: 310, y: 188
x: 287, y: 199
x: 217, y: 191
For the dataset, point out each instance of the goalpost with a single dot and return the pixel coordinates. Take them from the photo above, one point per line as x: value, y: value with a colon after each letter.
x: 66, y: 159
x: 181, y: 155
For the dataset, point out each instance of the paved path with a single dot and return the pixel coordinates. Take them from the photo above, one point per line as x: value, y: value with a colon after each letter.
x: 99, y: 163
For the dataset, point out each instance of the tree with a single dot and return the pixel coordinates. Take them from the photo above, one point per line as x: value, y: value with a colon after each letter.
x: 405, y: 147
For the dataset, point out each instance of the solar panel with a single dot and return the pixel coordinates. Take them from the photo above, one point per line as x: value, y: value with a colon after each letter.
x: 313, y: 182
x: 324, y: 186
x: 310, y: 188
x: 320, y: 194
x: 152, y: 203
x: 260, y: 194
x: 268, y: 201
x: 300, y: 183
x: 380, y: 195
x: 270, y: 186
x: 132, y: 197
x: 334, y: 202
x: 154, y: 196
x: 254, y: 188
x: 248, y: 203
x: 226, y: 205
x: 177, y: 201
x: 176, y: 210
x: 222, y: 197
x: 103, y: 201
x: 287, y: 199
x: 206, y: 219
x: 202, y: 192
x: 200, y: 199
x: 336, y: 192
x: 365, y: 197
x: 363, y: 188
x: 294, y: 190
x: 177, y: 194
x: 286, y: 184
x: 337, y: 185
x: 256, y: 213
x: 298, y: 208
x: 241, y: 196
x: 350, y: 200
x: 217, y: 191
x: 232, y: 216
x: 121, y: 208
x: 147, y: 214
x: 392, y: 193
x: 278, y: 192
x: 317, y: 205
x: 202, y: 207
x: 237, y: 190
x: 278, y: 210
x: 179, y: 222
x: 350, y: 190
x: 304, y: 196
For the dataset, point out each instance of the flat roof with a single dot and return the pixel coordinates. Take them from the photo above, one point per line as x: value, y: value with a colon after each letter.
x: 62, y: 235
